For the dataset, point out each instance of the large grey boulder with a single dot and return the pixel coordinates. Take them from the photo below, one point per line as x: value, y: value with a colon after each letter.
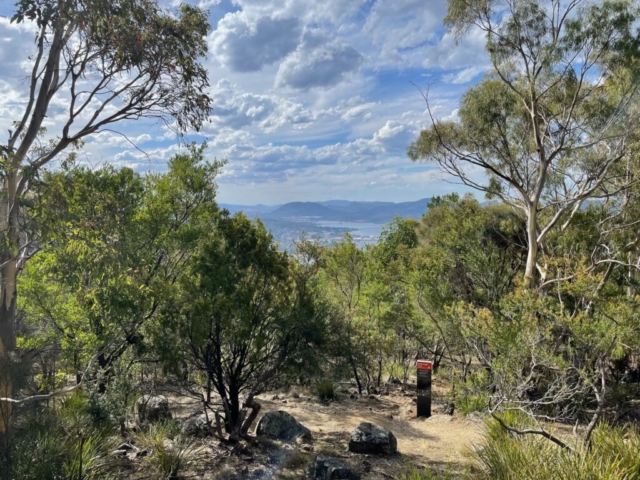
x: 327, y: 468
x: 196, y: 426
x: 372, y: 439
x: 281, y: 425
x: 152, y: 408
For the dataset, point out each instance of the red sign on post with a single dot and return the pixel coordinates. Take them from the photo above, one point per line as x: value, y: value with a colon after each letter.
x: 424, y: 365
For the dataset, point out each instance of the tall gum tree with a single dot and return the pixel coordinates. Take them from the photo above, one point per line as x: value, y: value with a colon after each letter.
x: 109, y: 62
x: 551, y: 124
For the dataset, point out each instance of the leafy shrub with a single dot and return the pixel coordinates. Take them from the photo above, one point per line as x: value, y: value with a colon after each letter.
x: 170, y: 451
x: 325, y: 389
x: 62, y: 441
x: 613, y: 455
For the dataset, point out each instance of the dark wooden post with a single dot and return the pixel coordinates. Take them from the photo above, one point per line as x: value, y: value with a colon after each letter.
x: 424, y: 369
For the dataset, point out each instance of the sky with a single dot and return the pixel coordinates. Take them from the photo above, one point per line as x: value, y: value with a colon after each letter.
x: 312, y: 100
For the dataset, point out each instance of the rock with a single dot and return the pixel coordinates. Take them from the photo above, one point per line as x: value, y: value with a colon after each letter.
x: 327, y: 468
x: 132, y: 455
x: 449, y: 408
x: 281, y: 425
x: 196, y: 426
x: 306, y: 448
x: 476, y: 417
x: 126, y: 446
x: 152, y: 408
x: 369, y: 438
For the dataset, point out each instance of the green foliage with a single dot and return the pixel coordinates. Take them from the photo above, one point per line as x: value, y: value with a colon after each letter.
x: 612, y: 455
x: 170, y: 451
x: 325, y: 389
x: 68, y: 440
x: 134, y: 36
x: 116, y: 241
x: 244, y: 315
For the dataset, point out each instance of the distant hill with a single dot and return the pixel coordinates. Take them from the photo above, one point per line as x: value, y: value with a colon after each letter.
x: 345, y: 211
x: 335, y: 210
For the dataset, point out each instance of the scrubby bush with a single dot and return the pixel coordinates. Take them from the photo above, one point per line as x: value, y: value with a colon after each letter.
x: 611, y: 455
x: 325, y: 389
x: 69, y: 439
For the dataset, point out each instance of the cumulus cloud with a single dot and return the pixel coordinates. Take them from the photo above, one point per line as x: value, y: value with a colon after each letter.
x: 234, y: 108
x: 402, y: 28
x: 334, y: 11
x: 246, y: 46
x: 318, y: 62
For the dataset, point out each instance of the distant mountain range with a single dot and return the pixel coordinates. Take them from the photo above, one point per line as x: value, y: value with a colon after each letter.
x: 335, y: 210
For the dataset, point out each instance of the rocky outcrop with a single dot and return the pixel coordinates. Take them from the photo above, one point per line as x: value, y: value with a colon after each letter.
x: 372, y: 439
x: 327, y: 468
x: 152, y: 408
x: 281, y: 425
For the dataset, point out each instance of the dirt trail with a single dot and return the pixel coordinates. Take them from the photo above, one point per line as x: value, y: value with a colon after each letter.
x: 438, y: 442
x: 441, y: 442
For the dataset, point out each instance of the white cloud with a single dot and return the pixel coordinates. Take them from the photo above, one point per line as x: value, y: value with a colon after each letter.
x: 311, y: 99
x: 246, y: 46
x: 318, y: 62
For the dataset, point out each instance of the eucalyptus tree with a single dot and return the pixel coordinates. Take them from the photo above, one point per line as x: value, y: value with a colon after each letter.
x: 553, y: 122
x: 107, y: 62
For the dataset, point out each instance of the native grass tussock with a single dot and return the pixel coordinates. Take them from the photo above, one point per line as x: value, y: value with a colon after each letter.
x: 610, y: 454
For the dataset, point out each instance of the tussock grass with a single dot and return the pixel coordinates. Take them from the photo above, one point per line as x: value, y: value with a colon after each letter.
x: 170, y: 451
x: 612, y: 455
x: 325, y: 389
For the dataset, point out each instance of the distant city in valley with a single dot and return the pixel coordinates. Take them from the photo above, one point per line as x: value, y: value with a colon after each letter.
x: 328, y: 221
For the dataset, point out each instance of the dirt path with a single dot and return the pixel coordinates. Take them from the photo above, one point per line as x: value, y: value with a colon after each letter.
x: 440, y: 442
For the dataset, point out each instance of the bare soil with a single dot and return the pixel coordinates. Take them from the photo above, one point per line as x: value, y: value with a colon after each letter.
x: 441, y: 443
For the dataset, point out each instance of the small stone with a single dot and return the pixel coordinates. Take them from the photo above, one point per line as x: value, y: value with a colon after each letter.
x: 327, y: 468
x: 126, y: 446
